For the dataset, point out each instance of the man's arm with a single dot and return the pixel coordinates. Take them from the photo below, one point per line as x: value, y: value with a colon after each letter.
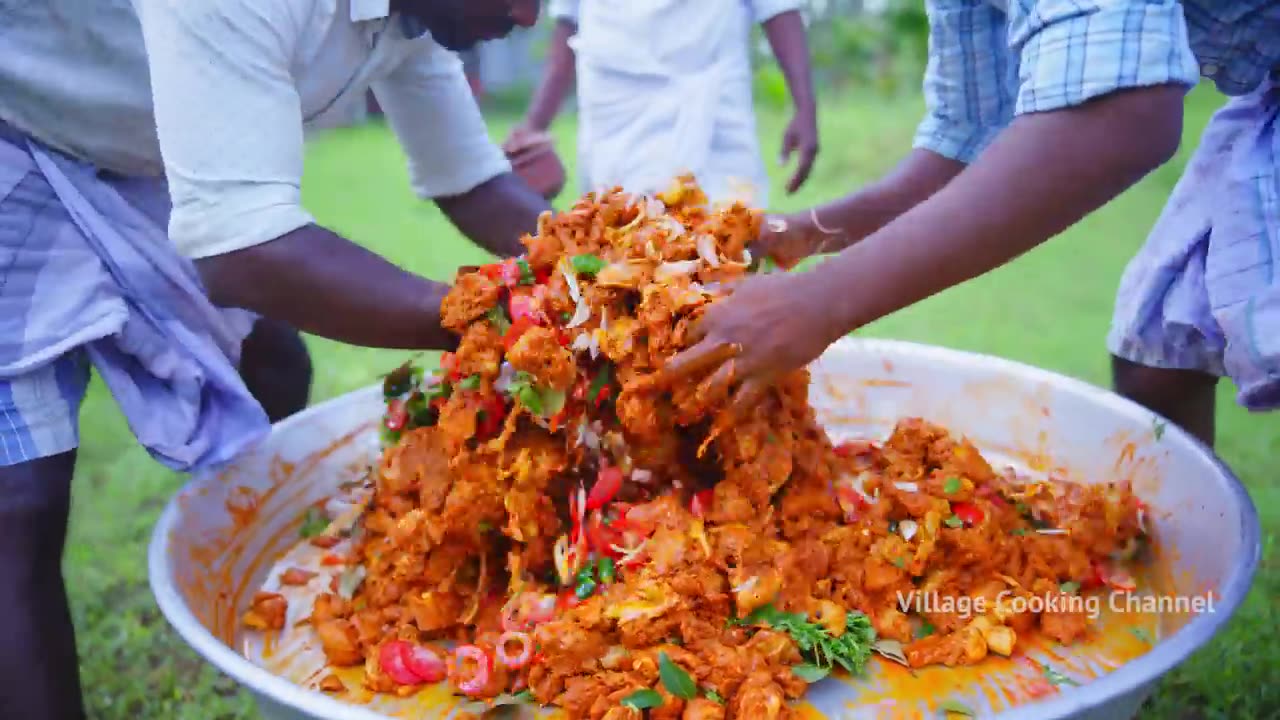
x: 452, y: 159
x: 229, y: 124
x: 557, y: 79
x: 1044, y: 173
x: 786, y: 34
x: 496, y: 214
x: 326, y: 285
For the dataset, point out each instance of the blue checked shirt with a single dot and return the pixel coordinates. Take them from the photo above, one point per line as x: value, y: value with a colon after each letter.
x: 990, y: 60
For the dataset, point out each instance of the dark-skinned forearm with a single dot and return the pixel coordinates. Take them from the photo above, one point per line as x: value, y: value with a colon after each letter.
x: 327, y: 285
x: 557, y: 79
x: 496, y: 213
x: 787, y: 38
x: 1042, y: 174
x: 855, y: 216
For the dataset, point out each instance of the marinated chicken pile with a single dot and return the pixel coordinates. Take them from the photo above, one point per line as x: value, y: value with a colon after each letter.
x: 548, y: 526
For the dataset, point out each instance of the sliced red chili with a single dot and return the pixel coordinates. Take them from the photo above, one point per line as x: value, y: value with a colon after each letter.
x: 700, y: 505
x: 608, y: 483
x: 397, y: 415
x: 602, y: 537
x: 968, y: 512
x: 510, y: 272
x: 493, y: 271
x: 494, y: 413
x: 517, y: 329
x: 542, y: 276
x: 449, y: 364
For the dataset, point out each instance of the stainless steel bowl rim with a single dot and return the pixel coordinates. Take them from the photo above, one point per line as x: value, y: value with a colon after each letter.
x: 1130, y: 676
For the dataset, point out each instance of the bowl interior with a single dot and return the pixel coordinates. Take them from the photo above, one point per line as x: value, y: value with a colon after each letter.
x: 220, y: 536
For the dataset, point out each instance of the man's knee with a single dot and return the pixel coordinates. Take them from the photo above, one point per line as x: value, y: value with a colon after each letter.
x: 276, y: 367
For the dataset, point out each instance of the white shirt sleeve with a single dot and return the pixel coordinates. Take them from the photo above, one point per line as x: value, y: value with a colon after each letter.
x: 765, y: 10
x: 430, y: 107
x: 564, y: 10
x: 228, y: 118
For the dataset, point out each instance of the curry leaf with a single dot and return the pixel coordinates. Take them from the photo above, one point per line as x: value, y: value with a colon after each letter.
x: 643, y: 699
x: 470, y: 383
x: 891, y: 649
x: 810, y: 673
x: 954, y: 522
x: 1069, y: 587
x: 951, y: 486
x: 1056, y: 677
x: 1142, y: 635
x: 714, y: 696
x: 675, y: 679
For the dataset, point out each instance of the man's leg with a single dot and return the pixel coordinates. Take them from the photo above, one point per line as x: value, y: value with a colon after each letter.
x: 276, y: 367
x: 1185, y: 397
x: 41, y: 675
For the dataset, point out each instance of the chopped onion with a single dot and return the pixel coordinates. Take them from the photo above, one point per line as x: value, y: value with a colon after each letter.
x: 907, y: 486
x: 746, y: 256
x: 707, y: 250
x: 776, y: 224
x: 581, y: 314
x: 506, y: 376
x: 571, y: 277
x: 675, y: 228
x: 1052, y: 531
x: 604, y: 319
x: 747, y: 585
x: 670, y: 270
x: 654, y: 207
x: 582, y: 343
x: 908, y: 529
x: 594, y: 346
x: 642, y: 476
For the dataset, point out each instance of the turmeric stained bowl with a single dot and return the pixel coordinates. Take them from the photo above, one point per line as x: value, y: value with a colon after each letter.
x: 221, y: 535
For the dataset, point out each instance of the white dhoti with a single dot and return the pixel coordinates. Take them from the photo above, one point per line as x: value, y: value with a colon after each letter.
x: 664, y: 88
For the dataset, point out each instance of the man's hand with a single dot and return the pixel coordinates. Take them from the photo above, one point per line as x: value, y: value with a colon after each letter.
x: 800, y: 139
x: 523, y: 137
x: 769, y: 326
x: 786, y: 35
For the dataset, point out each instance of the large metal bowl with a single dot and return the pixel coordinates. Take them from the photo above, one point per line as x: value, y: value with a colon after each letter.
x: 217, y: 539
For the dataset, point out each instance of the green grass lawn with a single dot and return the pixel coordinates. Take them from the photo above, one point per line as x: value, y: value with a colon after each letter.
x: 1050, y: 308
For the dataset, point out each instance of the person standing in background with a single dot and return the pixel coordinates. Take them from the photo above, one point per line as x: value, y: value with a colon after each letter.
x: 664, y: 87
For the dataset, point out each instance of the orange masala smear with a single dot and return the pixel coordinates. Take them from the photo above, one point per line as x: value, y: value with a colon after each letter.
x: 547, y: 526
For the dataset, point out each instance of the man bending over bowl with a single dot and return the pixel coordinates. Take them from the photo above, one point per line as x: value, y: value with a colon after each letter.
x: 664, y: 87
x: 1039, y: 112
x: 91, y: 125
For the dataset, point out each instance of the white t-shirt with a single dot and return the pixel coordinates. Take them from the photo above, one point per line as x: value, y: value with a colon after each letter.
x: 232, y: 86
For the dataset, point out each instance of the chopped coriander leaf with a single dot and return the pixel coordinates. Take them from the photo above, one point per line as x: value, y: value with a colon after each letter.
x: 643, y: 700
x: 599, y: 382
x: 954, y: 522
x: 675, y: 679
x: 529, y: 396
x: 587, y: 264
x: 470, y: 383
x: 926, y: 629
x: 1023, y: 509
x: 499, y: 320
x: 314, y: 522
x: 1019, y: 532
x: 850, y: 650
x: 566, y: 317
x: 951, y: 486
x: 526, y: 272
x: 899, y: 563
x: 1142, y: 635
x: 713, y: 696
x: 1069, y: 587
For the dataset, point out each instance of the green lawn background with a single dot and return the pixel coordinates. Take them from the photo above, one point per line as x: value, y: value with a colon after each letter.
x: 1049, y: 308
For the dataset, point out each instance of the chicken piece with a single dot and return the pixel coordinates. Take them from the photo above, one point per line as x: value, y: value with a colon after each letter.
x: 539, y: 353
x: 964, y: 647
x: 340, y: 641
x: 267, y: 611
x: 332, y: 684
x: 760, y: 698
x: 296, y: 576
x: 703, y: 709
x: 471, y: 297
x: 480, y: 351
